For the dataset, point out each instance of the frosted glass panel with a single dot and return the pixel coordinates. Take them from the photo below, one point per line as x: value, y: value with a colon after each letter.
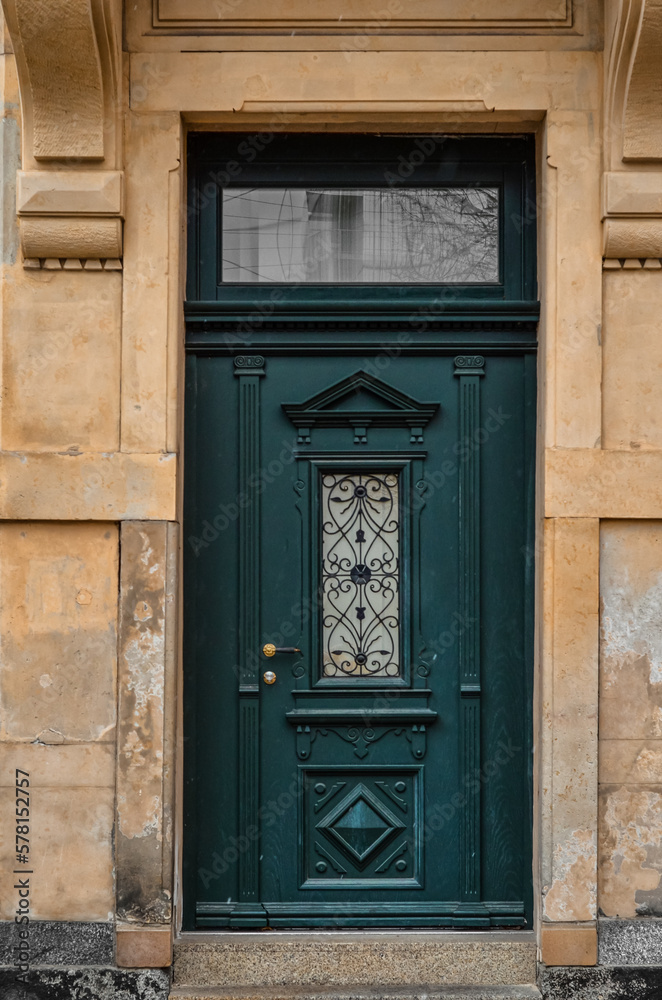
x: 360, y: 575
x: 300, y: 235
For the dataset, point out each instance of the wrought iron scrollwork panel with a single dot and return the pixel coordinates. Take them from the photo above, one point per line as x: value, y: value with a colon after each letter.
x: 360, y: 574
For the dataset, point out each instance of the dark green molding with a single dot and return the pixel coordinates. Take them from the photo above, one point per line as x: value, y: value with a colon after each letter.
x: 250, y: 369
x: 470, y: 369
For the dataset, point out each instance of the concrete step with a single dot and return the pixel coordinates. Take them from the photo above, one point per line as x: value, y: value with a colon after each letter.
x: 519, y: 992
x: 348, y: 960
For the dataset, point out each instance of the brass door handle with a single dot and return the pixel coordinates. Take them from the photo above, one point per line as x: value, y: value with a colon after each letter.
x: 270, y: 650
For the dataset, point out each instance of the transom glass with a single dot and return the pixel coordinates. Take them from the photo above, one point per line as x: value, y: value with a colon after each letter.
x: 401, y: 235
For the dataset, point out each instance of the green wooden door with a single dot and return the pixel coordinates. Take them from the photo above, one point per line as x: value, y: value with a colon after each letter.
x: 359, y: 466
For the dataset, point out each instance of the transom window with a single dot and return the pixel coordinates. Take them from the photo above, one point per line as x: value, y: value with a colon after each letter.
x: 443, y: 235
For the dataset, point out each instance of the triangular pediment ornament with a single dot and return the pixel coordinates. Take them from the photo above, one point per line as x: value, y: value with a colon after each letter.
x: 361, y: 401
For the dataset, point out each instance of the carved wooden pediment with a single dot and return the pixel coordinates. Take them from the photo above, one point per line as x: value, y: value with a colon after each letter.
x: 361, y: 401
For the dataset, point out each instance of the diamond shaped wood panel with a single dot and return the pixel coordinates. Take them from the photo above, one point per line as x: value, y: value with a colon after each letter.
x: 360, y: 827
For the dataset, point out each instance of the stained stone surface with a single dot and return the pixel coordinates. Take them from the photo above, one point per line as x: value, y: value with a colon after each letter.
x: 54, y: 942
x: 143, y: 831
x: 630, y: 942
x: 601, y: 984
x: 85, y: 984
x: 630, y: 806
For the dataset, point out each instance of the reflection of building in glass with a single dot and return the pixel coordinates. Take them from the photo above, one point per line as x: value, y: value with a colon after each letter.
x: 411, y: 235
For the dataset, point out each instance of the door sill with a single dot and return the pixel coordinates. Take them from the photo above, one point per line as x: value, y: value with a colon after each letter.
x: 344, y: 934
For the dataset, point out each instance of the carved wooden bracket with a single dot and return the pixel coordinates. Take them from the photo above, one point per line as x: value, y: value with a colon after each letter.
x: 68, y: 59
x: 632, y: 202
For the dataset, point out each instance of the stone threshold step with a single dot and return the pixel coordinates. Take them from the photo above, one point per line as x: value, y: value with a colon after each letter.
x: 330, y: 962
x: 473, y: 992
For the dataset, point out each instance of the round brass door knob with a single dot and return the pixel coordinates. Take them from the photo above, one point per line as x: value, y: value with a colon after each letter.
x: 269, y: 677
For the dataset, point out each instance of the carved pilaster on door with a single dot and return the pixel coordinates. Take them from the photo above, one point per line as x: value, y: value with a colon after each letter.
x: 250, y: 368
x: 470, y: 369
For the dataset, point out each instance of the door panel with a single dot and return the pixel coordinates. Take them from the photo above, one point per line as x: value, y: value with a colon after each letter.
x: 393, y: 789
x: 360, y: 414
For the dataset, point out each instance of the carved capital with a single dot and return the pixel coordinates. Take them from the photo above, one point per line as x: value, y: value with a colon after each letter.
x: 68, y: 63
x: 633, y: 97
x: 633, y: 129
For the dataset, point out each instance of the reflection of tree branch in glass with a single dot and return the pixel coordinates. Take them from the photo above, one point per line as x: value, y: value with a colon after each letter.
x: 413, y: 235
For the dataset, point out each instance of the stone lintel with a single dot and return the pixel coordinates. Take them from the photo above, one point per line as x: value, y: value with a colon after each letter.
x: 87, y: 486
x: 592, y: 482
x: 569, y: 944
x: 199, y: 82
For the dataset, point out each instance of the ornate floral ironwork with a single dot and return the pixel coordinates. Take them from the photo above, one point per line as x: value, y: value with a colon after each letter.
x: 360, y: 574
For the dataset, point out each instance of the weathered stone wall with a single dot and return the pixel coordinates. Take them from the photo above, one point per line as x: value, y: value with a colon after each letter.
x: 58, y: 580
x: 87, y: 577
x: 631, y: 719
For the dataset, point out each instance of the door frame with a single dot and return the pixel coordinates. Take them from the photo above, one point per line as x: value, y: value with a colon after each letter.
x: 200, y: 317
